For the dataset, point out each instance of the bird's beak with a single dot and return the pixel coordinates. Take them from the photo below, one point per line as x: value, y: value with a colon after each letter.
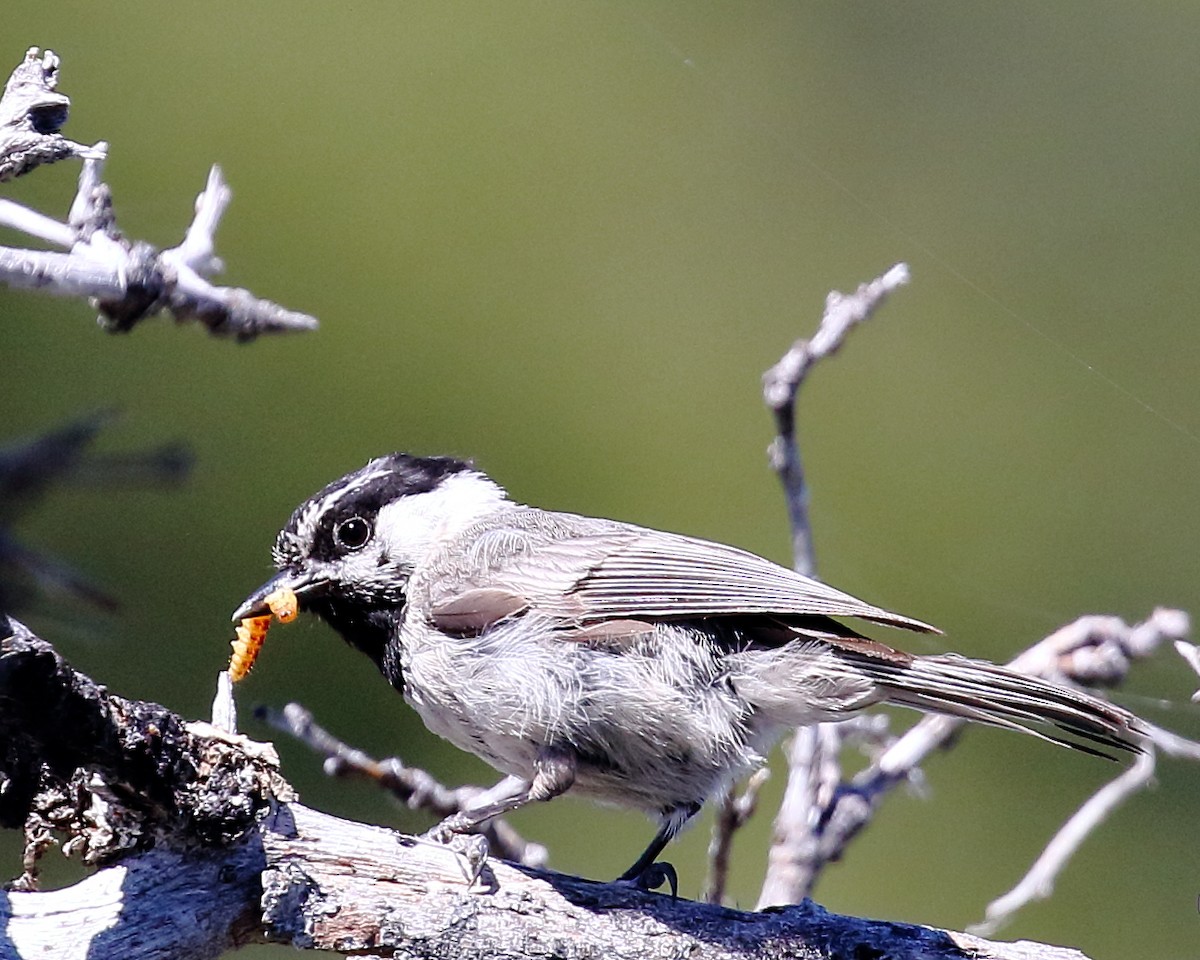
x: 301, y: 584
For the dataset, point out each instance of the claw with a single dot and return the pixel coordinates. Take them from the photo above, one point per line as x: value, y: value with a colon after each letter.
x: 653, y: 877
x: 445, y: 831
x: 471, y: 851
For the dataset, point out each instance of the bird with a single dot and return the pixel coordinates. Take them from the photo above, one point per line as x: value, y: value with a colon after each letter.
x: 633, y: 666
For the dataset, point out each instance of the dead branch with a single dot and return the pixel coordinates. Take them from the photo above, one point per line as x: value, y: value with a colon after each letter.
x: 843, y: 312
x: 820, y: 813
x: 201, y: 847
x: 814, y: 768
x: 126, y: 281
x: 417, y: 789
x: 733, y: 811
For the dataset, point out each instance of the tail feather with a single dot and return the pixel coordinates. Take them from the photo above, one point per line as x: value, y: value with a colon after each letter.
x: 987, y: 693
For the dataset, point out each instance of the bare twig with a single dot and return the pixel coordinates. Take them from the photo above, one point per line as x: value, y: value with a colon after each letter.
x: 733, y: 811
x: 1091, y: 649
x: 130, y: 281
x: 125, y: 281
x: 813, y: 795
x: 1038, y: 882
x: 813, y: 769
x: 1191, y: 656
x: 782, y: 382
x: 1097, y: 650
x: 820, y: 815
x: 413, y: 787
x: 32, y: 112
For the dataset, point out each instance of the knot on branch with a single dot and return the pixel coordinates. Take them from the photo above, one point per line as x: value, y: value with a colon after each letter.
x: 146, y: 290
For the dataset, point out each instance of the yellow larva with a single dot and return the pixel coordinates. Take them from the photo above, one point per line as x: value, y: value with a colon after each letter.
x: 252, y: 631
x: 283, y: 604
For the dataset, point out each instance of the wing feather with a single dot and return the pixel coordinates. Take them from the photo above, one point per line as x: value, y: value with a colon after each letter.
x: 671, y: 575
x: 584, y: 570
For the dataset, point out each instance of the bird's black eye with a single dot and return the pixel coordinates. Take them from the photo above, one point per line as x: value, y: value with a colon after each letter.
x: 353, y: 533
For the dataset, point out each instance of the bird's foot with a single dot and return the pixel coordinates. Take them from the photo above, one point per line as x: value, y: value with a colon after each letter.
x: 455, y: 825
x: 470, y: 849
x: 653, y: 876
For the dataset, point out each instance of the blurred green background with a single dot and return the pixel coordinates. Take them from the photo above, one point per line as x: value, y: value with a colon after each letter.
x: 566, y: 239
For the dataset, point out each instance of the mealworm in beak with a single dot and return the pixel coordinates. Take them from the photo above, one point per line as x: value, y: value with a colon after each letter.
x: 252, y: 631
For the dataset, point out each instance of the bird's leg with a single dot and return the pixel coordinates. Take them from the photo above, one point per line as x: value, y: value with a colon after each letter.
x: 506, y: 795
x: 646, y: 860
x: 554, y: 772
x: 645, y: 872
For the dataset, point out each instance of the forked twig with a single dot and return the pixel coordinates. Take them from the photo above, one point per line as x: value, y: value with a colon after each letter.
x: 843, y: 312
x: 125, y: 281
x: 813, y: 767
x: 820, y: 814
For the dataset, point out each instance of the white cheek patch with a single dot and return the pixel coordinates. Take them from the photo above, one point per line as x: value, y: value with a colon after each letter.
x: 410, y: 526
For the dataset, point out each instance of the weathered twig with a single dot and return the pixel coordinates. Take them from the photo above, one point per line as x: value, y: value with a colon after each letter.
x: 1093, y: 650
x: 820, y: 815
x: 733, y: 810
x: 816, y: 747
x: 1038, y: 882
x: 782, y: 382
x: 798, y: 854
x: 202, y: 848
x: 813, y: 768
x: 128, y: 282
x: 32, y: 112
x: 1191, y: 656
x: 413, y: 787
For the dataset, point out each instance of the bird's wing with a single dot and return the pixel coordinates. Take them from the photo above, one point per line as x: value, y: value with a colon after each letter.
x: 588, y: 572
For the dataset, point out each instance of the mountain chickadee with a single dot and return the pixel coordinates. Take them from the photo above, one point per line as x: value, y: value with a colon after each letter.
x: 637, y: 667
